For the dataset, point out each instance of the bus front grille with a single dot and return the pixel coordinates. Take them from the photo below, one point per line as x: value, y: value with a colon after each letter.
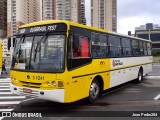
x: 30, y: 84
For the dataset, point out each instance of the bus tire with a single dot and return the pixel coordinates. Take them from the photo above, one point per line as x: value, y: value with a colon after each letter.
x: 140, y: 76
x: 94, y: 91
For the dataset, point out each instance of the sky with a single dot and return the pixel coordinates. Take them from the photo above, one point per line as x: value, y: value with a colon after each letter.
x: 133, y: 13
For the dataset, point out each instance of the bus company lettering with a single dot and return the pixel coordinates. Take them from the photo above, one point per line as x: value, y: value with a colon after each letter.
x: 43, y: 28
x: 38, y: 29
x: 22, y: 31
x: 116, y: 63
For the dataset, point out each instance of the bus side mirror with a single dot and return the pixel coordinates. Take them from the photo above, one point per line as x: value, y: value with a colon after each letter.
x: 75, y: 42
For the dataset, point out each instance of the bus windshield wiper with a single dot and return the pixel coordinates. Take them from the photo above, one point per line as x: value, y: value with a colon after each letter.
x: 19, y: 42
x: 38, y: 45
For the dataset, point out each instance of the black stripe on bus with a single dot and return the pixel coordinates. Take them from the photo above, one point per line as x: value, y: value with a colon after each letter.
x: 109, y: 70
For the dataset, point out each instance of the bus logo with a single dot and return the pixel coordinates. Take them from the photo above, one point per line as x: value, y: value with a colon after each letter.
x: 116, y: 63
x: 102, y: 63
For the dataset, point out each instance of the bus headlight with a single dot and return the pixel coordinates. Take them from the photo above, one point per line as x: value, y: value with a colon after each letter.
x: 48, y: 83
x: 54, y: 83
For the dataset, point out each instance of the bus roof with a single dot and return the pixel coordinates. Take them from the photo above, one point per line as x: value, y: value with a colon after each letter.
x: 46, y: 22
x: 128, y: 36
x: 78, y: 25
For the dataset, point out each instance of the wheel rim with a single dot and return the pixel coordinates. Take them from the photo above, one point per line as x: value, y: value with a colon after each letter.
x: 140, y: 76
x: 94, y: 90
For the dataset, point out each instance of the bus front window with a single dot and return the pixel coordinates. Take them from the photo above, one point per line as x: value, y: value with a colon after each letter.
x: 40, y: 54
x: 49, y: 55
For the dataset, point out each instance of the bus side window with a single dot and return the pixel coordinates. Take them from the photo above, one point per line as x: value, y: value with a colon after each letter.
x: 83, y: 49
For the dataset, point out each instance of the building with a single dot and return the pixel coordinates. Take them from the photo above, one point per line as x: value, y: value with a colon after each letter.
x: 3, y: 18
x: 104, y: 14
x: 63, y: 10
x: 5, y: 52
x: 150, y: 31
x: 83, y: 18
x: 21, y: 12
x: 48, y: 9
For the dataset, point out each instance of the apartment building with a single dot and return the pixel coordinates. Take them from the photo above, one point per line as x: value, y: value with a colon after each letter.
x: 63, y: 10
x: 83, y: 18
x: 48, y: 9
x: 3, y: 18
x: 104, y: 14
x: 21, y: 12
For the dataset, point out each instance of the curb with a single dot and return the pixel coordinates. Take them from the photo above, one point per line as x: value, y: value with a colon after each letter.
x: 152, y: 77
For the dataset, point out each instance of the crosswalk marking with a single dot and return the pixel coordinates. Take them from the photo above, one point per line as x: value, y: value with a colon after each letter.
x: 9, y: 102
x: 6, y: 97
x: 12, y: 97
x: 1, y: 110
x: 5, y: 93
x: 4, y: 89
x: 4, y: 86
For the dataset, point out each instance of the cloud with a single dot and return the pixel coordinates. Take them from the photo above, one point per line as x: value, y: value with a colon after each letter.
x: 133, y: 13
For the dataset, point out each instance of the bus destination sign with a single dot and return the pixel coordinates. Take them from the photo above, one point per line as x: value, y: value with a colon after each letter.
x: 44, y: 28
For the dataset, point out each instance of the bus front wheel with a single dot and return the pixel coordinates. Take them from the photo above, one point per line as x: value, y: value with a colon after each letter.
x: 94, y: 91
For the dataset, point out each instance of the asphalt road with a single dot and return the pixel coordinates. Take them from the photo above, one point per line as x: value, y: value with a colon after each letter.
x: 116, y: 104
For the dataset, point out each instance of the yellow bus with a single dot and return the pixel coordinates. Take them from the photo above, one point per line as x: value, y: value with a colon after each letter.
x: 64, y: 62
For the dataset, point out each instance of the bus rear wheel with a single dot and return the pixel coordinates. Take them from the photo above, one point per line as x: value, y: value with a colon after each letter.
x: 140, y: 76
x: 94, y: 91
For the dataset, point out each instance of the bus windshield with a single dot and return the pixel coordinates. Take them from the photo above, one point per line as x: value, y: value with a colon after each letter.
x: 39, y: 53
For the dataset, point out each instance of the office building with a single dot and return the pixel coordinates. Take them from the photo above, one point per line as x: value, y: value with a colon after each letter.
x: 151, y: 32
x: 104, y: 14
x: 3, y: 18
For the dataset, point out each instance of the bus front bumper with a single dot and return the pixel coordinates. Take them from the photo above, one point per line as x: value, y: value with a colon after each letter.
x: 56, y: 95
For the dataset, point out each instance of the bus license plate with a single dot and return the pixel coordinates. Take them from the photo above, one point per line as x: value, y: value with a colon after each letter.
x: 25, y: 90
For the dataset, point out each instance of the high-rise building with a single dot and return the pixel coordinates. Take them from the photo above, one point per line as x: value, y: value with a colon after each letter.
x: 83, y: 18
x: 63, y: 10
x: 104, y: 14
x: 48, y: 9
x: 3, y: 18
x: 21, y: 12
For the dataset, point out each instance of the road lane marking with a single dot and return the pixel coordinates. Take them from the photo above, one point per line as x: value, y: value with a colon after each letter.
x: 1, y: 89
x: 1, y: 110
x: 157, y: 97
x: 4, y: 86
x: 5, y: 81
x: 152, y: 77
x: 5, y: 93
x: 10, y: 103
x: 12, y: 97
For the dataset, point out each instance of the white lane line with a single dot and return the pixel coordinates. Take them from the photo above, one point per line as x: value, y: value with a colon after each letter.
x: 5, y: 93
x: 12, y: 97
x: 10, y: 103
x: 1, y: 110
x: 152, y: 77
x: 5, y: 81
x: 157, y: 97
x: 4, y: 89
x: 4, y: 86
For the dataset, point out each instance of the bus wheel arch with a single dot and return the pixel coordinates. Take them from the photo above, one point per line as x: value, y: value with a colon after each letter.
x: 96, y: 84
